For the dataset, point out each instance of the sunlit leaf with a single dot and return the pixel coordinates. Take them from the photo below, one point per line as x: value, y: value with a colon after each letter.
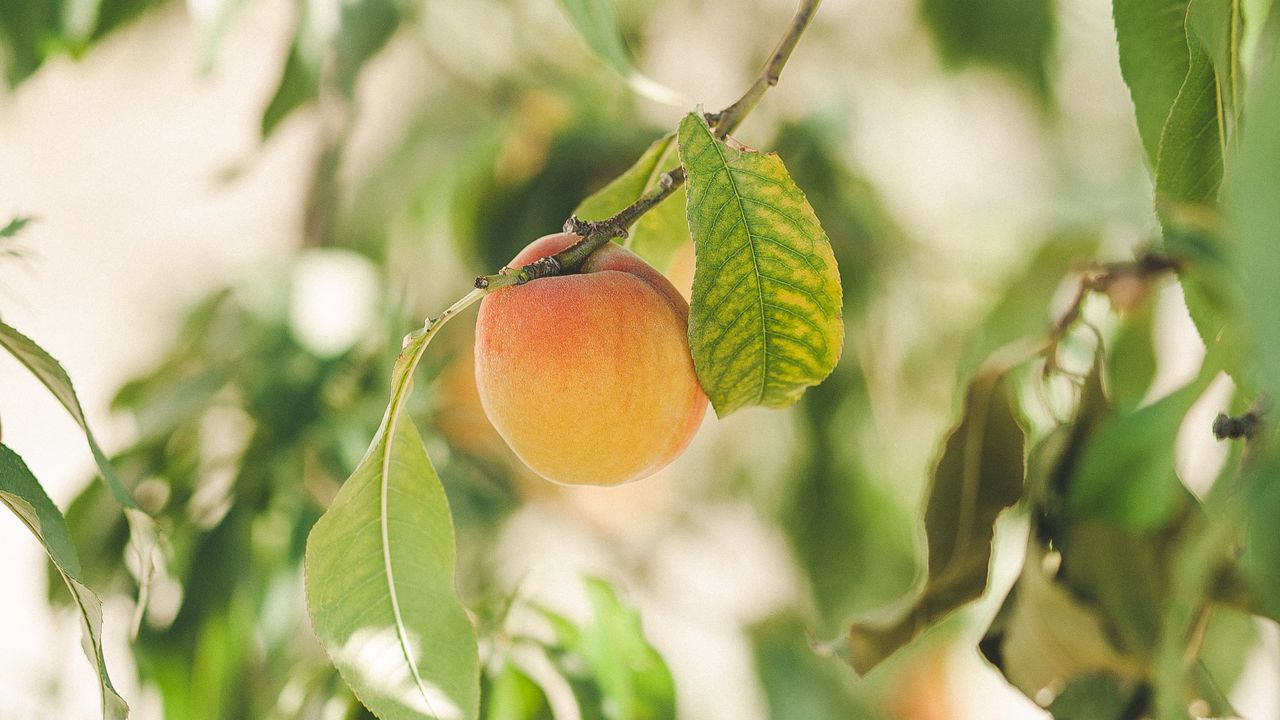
x: 1015, y: 36
x: 597, y: 24
x: 380, y: 576
x: 52, y: 376
x: 765, y: 322
x: 22, y: 494
x: 512, y: 695
x: 979, y: 474
x: 661, y: 231
x: 613, y: 670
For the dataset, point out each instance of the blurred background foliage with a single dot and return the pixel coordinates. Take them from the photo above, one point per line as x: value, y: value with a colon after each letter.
x: 745, y: 557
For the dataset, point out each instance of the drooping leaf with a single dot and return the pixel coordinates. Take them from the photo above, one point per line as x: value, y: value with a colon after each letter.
x: 1126, y: 472
x: 979, y: 474
x: 512, y: 695
x: 1015, y: 36
x: 765, y: 321
x: 658, y: 233
x: 22, y: 494
x: 380, y: 575
x: 1052, y: 637
x: 597, y: 24
x: 50, y: 373
x: 614, y: 672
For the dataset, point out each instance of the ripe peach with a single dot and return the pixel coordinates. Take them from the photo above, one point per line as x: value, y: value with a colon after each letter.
x: 588, y: 376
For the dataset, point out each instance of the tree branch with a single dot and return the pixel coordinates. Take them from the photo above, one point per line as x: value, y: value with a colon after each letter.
x: 596, y: 234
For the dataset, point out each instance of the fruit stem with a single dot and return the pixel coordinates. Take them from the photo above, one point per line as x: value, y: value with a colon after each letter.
x: 596, y: 234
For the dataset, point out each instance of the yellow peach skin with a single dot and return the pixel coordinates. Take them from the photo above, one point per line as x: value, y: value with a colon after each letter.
x: 588, y: 376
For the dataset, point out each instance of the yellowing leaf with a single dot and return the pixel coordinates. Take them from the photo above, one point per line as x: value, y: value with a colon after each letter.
x: 765, y: 322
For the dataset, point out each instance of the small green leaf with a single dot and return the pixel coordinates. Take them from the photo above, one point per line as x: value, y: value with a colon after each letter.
x: 765, y: 322
x: 1126, y: 472
x: 661, y: 231
x: 1131, y: 359
x: 22, y: 493
x: 1153, y: 60
x: 613, y: 670
x: 597, y: 24
x: 380, y: 575
x: 512, y: 695
x: 1093, y: 697
x: 14, y: 226
x: 1015, y: 36
x: 979, y: 475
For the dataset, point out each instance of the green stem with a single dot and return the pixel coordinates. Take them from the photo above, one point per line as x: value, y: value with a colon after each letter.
x: 596, y: 234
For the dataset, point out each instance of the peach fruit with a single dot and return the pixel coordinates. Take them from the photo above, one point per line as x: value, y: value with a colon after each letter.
x: 588, y: 376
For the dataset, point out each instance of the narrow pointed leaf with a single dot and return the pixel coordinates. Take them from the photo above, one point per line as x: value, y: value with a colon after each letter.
x: 979, y: 475
x: 22, y: 493
x: 380, y: 577
x: 14, y: 226
x: 658, y: 233
x: 765, y: 322
x: 52, y: 376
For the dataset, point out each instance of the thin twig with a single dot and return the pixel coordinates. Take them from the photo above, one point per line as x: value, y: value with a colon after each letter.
x: 596, y: 234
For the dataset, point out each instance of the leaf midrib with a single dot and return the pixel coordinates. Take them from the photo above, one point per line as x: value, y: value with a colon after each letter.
x: 393, y: 418
x: 755, y: 266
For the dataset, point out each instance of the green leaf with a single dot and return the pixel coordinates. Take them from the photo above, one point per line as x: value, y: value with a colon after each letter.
x: 1131, y: 359
x: 979, y: 474
x: 1189, y: 161
x: 380, y: 574
x: 658, y: 233
x: 322, y: 53
x: 1153, y: 60
x: 765, y: 322
x: 15, y: 226
x: 52, y: 376
x: 597, y: 24
x: 614, y: 672
x: 1126, y: 472
x: 1254, y: 210
x: 512, y: 695
x: 1218, y: 27
x: 1015, y: 36
x: 801, y: 684
x: 1093, y: 697
x: 22, y: 493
